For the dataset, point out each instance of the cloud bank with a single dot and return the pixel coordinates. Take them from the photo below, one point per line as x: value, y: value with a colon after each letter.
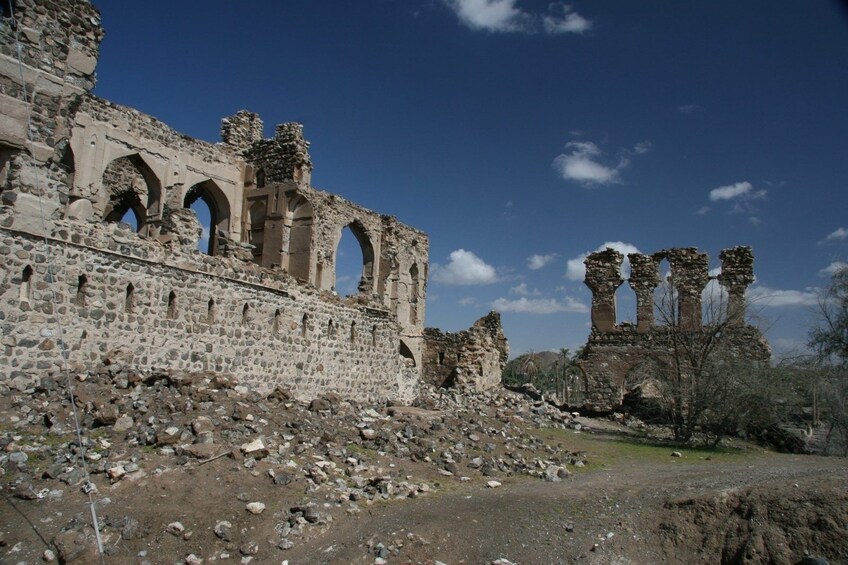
x: 576, y: 269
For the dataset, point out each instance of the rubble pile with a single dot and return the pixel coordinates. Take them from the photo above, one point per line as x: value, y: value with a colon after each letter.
x: 322, y: 458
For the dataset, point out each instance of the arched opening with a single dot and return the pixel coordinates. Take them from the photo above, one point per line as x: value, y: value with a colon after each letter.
x: 245, y: 315
x: 352, y: 332
x: 374, y: 336
x: 260, y: 178
x: 665, y: 298
x: 256, y: 231
x: 406, y: 352
x: 210, y: 311
x: 213, y: 212
x: 331, y: 329
x: 82, y: 283
x: 172, y: 305
x: 67, y: 164
x: 298, y: 256
x: 304, y: 325
x: 354, y: 261
x: 625, y: 306
x: 413, y: 294
x: 129, y: 299
x: 277, y: 317
x: 26, y: 284
x: 133, y: 190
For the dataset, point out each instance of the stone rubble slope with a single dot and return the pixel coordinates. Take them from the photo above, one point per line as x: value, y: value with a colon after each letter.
x: 293, y: 465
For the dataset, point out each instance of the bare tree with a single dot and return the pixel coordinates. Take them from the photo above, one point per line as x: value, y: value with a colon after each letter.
x: 830, y: 342
x: 710, y: 372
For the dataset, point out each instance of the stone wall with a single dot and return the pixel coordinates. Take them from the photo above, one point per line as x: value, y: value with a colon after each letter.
x: 475, y: 357
x: 619, y: 357
x: 261, y: 304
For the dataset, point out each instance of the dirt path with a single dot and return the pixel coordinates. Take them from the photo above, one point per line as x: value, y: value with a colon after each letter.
x: 528, y: 521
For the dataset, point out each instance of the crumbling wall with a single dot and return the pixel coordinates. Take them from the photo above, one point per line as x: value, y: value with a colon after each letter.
x: 475, y: 357
x: 261, y: 304
x: 619, y: 357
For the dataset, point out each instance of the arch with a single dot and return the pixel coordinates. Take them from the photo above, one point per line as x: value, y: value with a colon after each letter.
x: 276, y: 325
x: 172, y: 305
x: 366, y: 272
x: 216, y: 201
x: 625, y: 306
x: 131, y: 185
x: 413, y: 294
x: 304, y: 325
x: 406, y: 352
x: 245, y: 315
x: 26, y: 284
x: 353, y: 331
x: 331, y: 328
x: 374, y: 335
x: 129, y: 299
x: 82, y: 284
x: 210, y: 311
x: 665, y: 297
x: 299, y: 220
x: 260, y: 177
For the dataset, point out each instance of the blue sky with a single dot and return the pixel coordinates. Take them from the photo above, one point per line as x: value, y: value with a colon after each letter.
x: 522, y: 134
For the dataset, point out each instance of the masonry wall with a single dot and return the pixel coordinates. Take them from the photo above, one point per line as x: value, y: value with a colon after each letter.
x: 266, y: 332
x: 475, y: 357
x: 618, y: 357
x: 275, y: 317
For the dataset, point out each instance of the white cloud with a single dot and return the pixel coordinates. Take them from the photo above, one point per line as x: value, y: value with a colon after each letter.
x: 831, y: 269
x: 763, y: 295
x: 536, y: 262
x: 505, y: 16
x: 740, y: 190
x: 703, y: 210
x: 689, y: 109
x: 567, y: 21
x: 523, y: 290
x: 467, y: 301
x: 839, y: 234
x: 642, y: 147
x: 576, y: 269
x: 580, y: 164
x: 539, y: 305
x: 464, y: 268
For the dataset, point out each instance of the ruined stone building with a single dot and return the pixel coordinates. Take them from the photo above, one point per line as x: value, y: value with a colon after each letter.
x: 620, y: 355
x: 260, y: 304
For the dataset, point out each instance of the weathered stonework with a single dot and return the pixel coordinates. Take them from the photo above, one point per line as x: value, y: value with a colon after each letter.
x: 260, y: 305
x: 475, y: 357
x: 617, y: 357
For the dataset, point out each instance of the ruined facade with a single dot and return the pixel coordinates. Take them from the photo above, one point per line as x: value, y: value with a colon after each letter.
x: 99, y: 245
x: 475, y: 357
x: 622, y: 355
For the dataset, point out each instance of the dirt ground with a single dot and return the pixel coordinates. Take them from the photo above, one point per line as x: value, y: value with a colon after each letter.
x: 456, y: 480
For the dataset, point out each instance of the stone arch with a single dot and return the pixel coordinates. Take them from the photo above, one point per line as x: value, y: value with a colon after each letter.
x: 7, y: 155
x: 131, y: 186
x: 406, y: 352
x: 366, y: 277
x: 218, y: 222
x: 665, y: 296
x: 299, y: 220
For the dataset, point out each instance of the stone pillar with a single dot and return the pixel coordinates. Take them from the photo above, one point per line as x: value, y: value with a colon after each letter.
x: 644, y: 278
x: 603, y: 277
x: 689, y: 275
x: 737, y: 272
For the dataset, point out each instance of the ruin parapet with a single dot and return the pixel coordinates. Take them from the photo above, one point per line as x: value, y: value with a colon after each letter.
x: 614, y: 358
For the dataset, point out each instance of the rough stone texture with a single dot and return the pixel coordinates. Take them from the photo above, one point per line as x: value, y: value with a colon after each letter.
x: 475, y: 357
x: 618, y: 357
x: 260, y: 305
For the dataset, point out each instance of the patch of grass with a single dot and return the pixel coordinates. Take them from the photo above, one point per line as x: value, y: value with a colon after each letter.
x: 606, y: 450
